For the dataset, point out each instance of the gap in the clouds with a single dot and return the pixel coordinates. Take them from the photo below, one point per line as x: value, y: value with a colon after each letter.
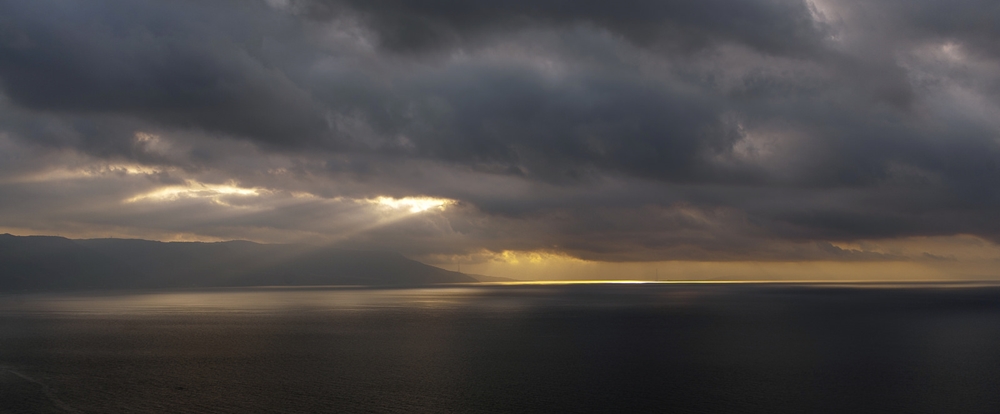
x: 195, y: 189
x: 413, y: 204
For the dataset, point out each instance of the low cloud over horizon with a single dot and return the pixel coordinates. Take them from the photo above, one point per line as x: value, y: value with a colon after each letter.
x: 783, y: 135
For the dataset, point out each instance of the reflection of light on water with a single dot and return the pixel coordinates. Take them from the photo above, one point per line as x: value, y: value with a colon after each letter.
x: 250, y: 300
x: 336, y: 299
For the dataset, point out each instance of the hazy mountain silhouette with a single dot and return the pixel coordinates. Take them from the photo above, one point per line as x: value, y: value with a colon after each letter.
x: 29, y: 263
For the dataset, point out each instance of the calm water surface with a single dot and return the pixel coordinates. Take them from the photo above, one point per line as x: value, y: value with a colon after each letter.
x: 762, y: 348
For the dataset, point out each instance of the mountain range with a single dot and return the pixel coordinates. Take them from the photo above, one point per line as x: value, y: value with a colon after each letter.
x: 49, y: 263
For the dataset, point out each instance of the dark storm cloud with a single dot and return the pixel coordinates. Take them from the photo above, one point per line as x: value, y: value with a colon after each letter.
x: 570, y: 128
x: 773, y: 26
x: 638, y: 130
x: 971, y: 22
x: 176, y: 63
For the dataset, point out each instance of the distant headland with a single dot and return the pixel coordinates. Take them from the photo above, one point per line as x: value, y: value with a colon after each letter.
x: 49, y: 263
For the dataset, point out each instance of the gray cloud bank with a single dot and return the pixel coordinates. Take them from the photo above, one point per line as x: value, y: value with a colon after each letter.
x: 631, y: 130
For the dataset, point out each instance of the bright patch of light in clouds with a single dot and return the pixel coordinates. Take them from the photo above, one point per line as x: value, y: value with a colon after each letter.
x: 515, y: 257
x: 92, y: 171
x: 217, y: 193
x: 195, y: 189
x: 412, y: 204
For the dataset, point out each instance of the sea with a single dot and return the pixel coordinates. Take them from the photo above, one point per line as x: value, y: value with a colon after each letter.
x: 507, y: 348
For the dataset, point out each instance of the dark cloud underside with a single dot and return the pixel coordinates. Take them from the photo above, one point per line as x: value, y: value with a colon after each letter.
x: 631, y: 130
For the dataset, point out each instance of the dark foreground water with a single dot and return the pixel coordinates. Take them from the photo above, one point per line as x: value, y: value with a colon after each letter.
x: 577, y: 348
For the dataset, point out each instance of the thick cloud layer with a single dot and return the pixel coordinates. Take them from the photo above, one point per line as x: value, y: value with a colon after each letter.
x: 633, y: 130
x: 772, y: 26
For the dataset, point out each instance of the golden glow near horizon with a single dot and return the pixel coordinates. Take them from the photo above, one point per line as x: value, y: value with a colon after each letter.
x: 954, y: 257
x: 553, y: 266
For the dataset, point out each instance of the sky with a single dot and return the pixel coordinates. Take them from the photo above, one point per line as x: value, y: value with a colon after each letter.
x: 542, y: 139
